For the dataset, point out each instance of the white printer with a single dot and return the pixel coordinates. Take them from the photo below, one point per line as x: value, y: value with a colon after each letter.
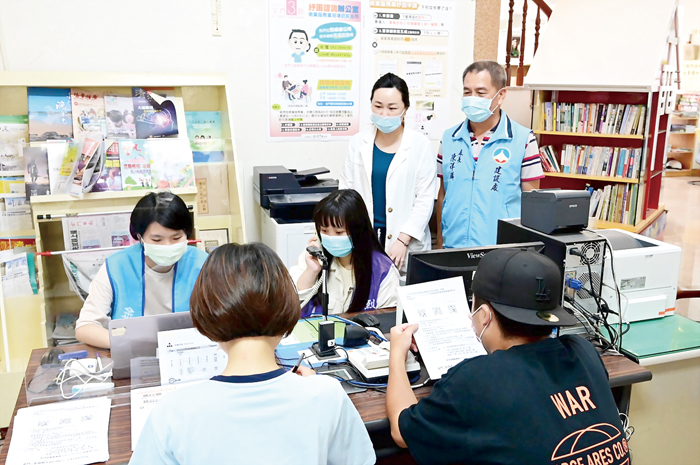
x: 647, y: 274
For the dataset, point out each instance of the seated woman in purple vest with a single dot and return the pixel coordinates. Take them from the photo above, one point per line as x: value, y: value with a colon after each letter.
x: 152, y: 277
x: 362, y: 277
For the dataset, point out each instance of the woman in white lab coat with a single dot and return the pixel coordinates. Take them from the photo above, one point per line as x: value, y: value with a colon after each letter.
x: 393, y: 168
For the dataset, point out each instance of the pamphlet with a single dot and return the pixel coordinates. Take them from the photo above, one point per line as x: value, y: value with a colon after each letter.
x: 68, y: 167
x: 135, y: 165
x: 88, y: 114
x: 119, y: 113
x: 186, y: 355
x: 36, y: 171
x: 12, y: 130
x: 82, y: 169
x: 49, y: 113
x: 171, y: 163
x: 154, y: 114
x: 110, y: 176
x: 204, y: 132
x: 445, y: 336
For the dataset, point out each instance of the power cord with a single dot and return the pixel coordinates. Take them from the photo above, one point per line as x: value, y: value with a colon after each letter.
x: 84, y: 376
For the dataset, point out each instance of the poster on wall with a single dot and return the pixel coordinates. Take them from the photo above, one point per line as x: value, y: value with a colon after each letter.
x: 314, y: 69
x: 413, y: 40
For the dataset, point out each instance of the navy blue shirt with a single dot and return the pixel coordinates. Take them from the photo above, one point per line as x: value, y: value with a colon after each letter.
x: 543, y: 403
x: 380, y: 166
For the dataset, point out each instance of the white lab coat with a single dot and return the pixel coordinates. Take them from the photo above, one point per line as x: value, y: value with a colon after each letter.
x: 411, y: 184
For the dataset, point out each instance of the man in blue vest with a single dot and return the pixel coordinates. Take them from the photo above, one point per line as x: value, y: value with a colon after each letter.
x: 484, y: 163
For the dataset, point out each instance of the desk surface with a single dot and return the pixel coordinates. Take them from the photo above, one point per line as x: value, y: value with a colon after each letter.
x: 672, y: 336
x: 370, y: 404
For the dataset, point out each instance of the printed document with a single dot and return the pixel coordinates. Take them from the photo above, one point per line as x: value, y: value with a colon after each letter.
x: 142, y: 402
x: 185, y: 355
x: 445, y: 336
x: 68, y: 433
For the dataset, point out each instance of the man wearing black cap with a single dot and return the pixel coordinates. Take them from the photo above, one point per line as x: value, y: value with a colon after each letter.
x: 533, y: 400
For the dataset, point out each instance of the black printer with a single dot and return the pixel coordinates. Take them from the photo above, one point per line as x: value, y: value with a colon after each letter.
x: 288, y: 194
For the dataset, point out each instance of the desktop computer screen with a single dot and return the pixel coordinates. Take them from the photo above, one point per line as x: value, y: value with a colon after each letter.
x: 449, y: 263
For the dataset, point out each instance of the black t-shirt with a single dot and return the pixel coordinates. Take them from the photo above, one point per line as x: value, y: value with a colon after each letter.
x: 543, y: 403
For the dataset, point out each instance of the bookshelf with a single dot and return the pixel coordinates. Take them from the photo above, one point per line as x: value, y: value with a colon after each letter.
x: 684, y: 141
x: 599, y: 97
x: 27, y: 323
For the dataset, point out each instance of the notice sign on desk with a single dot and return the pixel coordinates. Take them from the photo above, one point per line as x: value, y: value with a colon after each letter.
x: 445, y: 336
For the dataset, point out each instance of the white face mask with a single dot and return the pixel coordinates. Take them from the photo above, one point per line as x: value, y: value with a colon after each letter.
x: 471, y: 317
x: 165, y: 255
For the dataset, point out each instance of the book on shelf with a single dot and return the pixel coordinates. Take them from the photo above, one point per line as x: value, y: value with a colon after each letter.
x: 49, y: 113
x: 13, y: 128
x: 592, y: 160
x: 594, y: 118
x: 88, y: 114
x: 616, y: 203
x: 119, y: 116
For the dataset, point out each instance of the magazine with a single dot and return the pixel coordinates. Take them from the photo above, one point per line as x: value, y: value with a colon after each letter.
x: 204, y: 132
x: 36, y: 171
x: 119, y: 113
x: 68, y: 166
x: 154, y: 114
x: 82, y: 169
x: 171, y: 163
x: 12, y: 130
x: 49, y: 113
x: 110, y: 176
x: 135, y: 165
x: 88, y: 114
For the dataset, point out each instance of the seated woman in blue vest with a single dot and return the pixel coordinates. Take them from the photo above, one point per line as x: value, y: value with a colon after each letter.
x: 362, y: 276
x: 152, y: 277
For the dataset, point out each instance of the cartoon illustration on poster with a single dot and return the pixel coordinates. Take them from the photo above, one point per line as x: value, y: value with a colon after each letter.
x: 413, y: 40
x: 314, y: 69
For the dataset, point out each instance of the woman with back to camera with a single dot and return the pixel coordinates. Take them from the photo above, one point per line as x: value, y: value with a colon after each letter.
x: 255, y: 412
x: 393, y: 168
x: 361, y: 276
x: 152, y: 277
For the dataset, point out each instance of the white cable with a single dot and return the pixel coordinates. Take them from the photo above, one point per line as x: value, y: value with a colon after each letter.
x: 64, y: 376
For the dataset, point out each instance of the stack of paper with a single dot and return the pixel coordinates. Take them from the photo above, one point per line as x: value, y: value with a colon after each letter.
x: 69, y: 433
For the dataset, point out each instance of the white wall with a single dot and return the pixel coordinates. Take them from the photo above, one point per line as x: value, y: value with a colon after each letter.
x: 175, y: 36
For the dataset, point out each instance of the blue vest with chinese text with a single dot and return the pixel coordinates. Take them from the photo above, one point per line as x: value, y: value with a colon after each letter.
x: 478, y: 194
x: 126, y: 268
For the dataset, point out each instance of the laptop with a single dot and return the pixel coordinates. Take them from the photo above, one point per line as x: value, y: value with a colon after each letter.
x: 131, y: 338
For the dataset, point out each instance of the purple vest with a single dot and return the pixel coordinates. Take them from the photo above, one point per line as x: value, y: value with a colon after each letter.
x: 381, y: 265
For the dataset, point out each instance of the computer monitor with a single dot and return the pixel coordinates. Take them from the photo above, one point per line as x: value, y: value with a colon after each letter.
x: 449, y: 263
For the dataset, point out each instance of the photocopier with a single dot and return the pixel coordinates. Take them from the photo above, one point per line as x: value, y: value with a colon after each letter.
x: 287, y: 200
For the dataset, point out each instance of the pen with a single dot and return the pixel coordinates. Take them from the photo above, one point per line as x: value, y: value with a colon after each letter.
x: 99, y: 361
x: 296, y: 367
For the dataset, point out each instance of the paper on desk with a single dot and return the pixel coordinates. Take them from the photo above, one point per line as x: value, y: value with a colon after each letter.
x: 67, y: 433
x: 185, y: 355
x: 445, y: 336
x: 142, y: 402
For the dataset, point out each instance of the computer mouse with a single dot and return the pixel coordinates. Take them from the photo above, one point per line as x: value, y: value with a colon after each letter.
x: 365, y: 319
x: 50, y: 357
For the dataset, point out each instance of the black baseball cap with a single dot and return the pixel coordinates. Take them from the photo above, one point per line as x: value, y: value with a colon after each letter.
x: 523, y: 286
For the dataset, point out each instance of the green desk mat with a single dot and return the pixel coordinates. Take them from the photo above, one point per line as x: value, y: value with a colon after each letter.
x: 306, y: 330
x: 662, y: 336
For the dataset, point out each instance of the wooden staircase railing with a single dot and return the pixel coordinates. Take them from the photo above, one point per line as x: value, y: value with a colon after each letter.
x: 542, y: 7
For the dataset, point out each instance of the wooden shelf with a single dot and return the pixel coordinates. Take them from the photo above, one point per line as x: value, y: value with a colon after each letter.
x: 593, y: 178
x: 590, y: 134
x: 641, y: 225
x: 48, y: 199
x: 678, y: 173
x: 17, y: 234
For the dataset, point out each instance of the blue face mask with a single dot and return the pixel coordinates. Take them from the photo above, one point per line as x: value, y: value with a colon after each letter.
x: 478, y: 109
x: 338, y: 246
x: 386, y: 124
